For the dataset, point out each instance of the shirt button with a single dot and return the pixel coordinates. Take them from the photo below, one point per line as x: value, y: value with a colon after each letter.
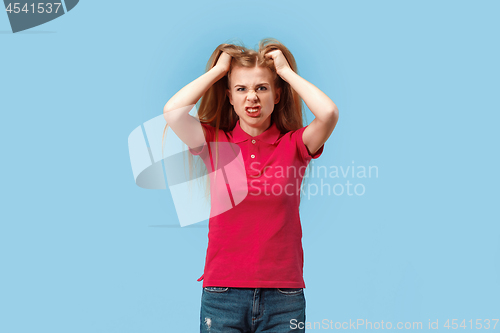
x: 253, y: 141
x: 252, y: 156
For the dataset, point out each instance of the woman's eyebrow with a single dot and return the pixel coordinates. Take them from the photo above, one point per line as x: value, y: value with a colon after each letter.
x: 258, y: 84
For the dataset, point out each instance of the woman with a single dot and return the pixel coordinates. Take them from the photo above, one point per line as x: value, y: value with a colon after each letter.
x: 253, y: 277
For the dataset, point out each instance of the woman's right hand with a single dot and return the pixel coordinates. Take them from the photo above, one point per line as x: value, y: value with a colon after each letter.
x: 224, y: 62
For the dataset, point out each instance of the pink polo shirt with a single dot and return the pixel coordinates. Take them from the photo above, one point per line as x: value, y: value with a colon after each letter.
x: 258, y: 242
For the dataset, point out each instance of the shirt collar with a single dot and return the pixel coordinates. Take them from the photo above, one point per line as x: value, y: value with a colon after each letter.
x: 268, y: 136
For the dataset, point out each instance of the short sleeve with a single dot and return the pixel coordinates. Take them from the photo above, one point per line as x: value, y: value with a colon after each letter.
x: 304, y: 152
x: 209, y: 137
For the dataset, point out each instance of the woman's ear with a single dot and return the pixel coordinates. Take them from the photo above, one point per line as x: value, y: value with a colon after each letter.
x: 277, y: 96
x: 228, y: 93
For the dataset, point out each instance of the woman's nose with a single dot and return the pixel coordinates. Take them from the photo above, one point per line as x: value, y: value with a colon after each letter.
x: 252, y: 96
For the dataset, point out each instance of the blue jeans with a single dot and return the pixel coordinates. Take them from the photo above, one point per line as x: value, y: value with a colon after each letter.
x: 252, y: 310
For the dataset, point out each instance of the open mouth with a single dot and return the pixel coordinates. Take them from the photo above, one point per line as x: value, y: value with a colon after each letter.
x: 253, y: 111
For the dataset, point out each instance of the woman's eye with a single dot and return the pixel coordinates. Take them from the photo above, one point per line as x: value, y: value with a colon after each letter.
x: 257, y: 88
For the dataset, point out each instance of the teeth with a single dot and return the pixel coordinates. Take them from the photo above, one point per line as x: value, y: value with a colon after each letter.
x: 252, y: 110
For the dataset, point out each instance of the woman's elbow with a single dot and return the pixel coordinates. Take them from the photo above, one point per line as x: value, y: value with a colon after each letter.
x: 167, y: 107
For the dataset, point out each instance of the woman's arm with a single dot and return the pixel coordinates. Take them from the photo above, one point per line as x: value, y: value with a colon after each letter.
x: 176, y: 111
x: 325, y: 111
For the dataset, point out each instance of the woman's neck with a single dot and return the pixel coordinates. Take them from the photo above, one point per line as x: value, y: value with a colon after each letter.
x: 255, y: 130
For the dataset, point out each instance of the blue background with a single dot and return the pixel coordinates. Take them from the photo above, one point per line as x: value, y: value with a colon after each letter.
x: 84, y: 249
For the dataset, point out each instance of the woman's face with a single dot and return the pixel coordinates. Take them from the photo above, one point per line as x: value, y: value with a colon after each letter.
x: 253, y: 88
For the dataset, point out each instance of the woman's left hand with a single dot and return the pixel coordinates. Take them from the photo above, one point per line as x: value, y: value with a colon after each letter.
x: 279, y: 59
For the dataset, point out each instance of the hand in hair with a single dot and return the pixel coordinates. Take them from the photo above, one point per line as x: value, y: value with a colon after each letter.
x: 224, y: 62
x: 280, y: 62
